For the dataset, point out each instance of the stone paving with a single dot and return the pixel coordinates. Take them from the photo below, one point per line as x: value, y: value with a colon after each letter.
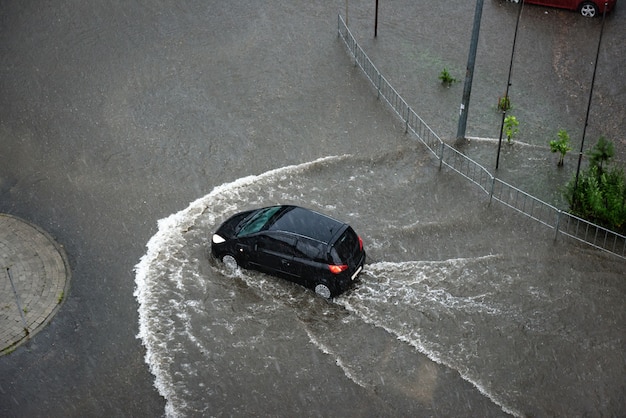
x: 34, y: 279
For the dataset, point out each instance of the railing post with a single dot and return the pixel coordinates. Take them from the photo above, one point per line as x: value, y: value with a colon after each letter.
x: 338, y: 25
x: 441, y: 154
x: 493, y: 186
x: 558, y: 223
x: 378, y: 88
x: 406, y: 123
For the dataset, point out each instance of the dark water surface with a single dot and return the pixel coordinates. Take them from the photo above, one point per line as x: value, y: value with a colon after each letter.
x: 117, y: 114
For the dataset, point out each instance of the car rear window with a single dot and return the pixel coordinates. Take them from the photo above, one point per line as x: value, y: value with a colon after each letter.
x: 347, y: 246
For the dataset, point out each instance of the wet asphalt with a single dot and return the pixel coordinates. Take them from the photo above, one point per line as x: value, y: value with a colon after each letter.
x: 111, y: 113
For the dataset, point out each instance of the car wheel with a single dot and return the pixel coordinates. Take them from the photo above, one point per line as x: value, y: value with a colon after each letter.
x: 323, y: 291
x: 230, y: 262
x: 588, y: 9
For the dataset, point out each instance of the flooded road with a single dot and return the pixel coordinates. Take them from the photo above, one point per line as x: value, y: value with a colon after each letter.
x: 117, y: 115
x: 409, y: 338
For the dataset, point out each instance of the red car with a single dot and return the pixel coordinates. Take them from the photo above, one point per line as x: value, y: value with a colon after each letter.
x: 587, y: 8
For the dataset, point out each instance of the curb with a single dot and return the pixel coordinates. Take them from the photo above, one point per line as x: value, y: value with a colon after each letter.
x: 34, y: 280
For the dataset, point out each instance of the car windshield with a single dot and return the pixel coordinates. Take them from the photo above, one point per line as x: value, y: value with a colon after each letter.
x: 258, y: 221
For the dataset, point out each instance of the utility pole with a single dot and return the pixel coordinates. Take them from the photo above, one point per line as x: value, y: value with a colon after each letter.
x: 376, y: 20
x: 469, y: 74
x: 508, y: 82
x: 593, y: 80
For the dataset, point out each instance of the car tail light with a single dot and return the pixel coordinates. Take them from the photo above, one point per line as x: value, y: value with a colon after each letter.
x: 360, y: 244
x: 337, y: 268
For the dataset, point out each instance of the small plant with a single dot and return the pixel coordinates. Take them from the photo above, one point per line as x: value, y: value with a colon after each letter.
x: 510, y: 127
x: 601, y: 153
x: 60, y: 298
x: 446, y: 78
x: 561, y: 145
x: 504, y: 103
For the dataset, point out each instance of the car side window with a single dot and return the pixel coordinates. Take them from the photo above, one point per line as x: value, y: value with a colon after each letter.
x: 309, y: 249
x: 277, y: 243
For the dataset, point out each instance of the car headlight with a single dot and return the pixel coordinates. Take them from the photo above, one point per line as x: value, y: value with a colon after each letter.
x: 217, y: 239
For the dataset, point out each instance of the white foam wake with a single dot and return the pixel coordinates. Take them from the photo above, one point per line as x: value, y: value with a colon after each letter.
x: 161, y: 269
x: 422, y: 303
x: 412, y: 300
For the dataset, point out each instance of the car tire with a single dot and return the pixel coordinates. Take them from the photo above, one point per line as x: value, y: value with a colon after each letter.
x: 230, y: 262
x: 588, y: 9
x: 322, y: 290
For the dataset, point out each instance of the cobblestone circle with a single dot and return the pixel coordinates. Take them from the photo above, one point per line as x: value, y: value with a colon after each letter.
x: 34, y: 280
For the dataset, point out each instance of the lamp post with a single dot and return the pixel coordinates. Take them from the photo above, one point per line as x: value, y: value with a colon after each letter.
x: 469, y: 74
x: 593, y: 79
x: 508, y: 82
x: 376, y: 20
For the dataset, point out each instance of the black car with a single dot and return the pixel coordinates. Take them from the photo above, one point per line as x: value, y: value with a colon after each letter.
x: 295, y: 243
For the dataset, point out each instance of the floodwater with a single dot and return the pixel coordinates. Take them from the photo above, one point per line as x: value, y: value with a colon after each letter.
x: 427, y: 318
x: 117, y: 115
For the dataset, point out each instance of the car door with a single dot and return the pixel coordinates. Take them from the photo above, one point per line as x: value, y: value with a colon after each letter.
x: 566, y: 4
x: 274, y: 254
x: 309, y: 261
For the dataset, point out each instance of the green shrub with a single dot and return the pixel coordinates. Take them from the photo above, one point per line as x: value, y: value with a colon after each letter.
x: 446, y: 78
x: 561, y: 145
x: 601, y: 153
x: 504, y: 103
x: 600, y: 195
x: 510, y: 127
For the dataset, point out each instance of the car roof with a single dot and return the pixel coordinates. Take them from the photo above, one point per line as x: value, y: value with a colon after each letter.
x: 307, y: 223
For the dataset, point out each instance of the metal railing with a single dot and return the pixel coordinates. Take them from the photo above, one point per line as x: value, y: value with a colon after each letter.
x: 562, y: 222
